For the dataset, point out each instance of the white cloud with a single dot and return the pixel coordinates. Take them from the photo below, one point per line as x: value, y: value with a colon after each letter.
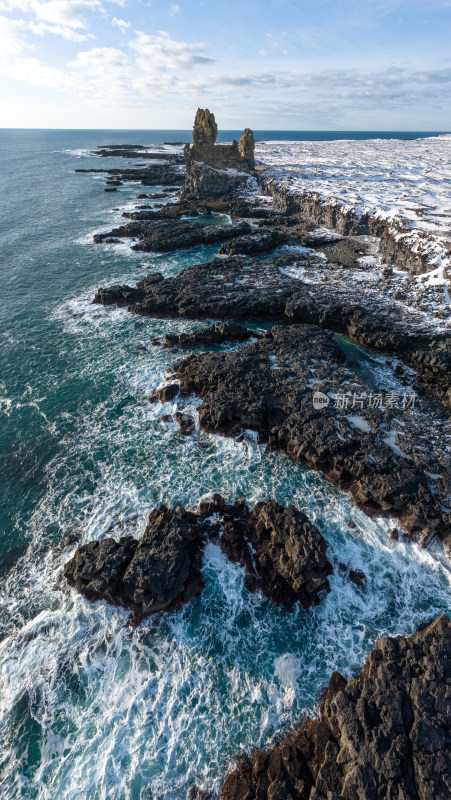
x: 42, y: 28
x: 160, y: 52
x: 122, y: 24
x: 33, y: 72
x: 11, y: 36
x: 173, y: 10
x: 70, y: 13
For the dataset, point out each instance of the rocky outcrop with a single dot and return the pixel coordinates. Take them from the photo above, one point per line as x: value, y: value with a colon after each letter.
x: 164, y: 237
x: 218, y: 333
x: 262, y: 240
x: 165, y: 174
x: 216, y: 170
x: 283, y: 553
x: 136, y: 151
x: 379, y: 454
x: 382, y: 736
x: 297, y: 288
x: 392, y: 248
x: 157, y: 573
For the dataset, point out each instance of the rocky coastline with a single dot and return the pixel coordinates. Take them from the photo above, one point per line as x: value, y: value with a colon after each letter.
x: 282, y: 552
x: 380, y: 736
x: 384, y: 734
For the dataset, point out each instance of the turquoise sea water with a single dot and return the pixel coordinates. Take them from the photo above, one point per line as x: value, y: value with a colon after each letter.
x: 89, y: 708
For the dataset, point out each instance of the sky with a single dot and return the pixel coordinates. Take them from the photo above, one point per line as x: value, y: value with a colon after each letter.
x: 269, y: 65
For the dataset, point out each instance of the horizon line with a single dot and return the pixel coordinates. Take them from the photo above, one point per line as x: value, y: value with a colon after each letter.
x: 232, y: 130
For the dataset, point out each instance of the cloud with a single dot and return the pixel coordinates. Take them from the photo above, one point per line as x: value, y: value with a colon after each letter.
x: 42, y: 28
x: 121, y: 23
x: 68, y: 13
x: 160, y: 52
x: 154, y: 66
x: 173, y: 10
x: 11, y: 36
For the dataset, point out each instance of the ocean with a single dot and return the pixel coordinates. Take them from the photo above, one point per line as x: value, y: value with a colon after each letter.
x: 90, y: 709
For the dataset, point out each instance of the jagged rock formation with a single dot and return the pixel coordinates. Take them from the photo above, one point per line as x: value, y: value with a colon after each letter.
x: 211, y: 169
x: 244, y: 288
x: 163, y: 237
x: 382, y: 736
x: 268, y: 386
x: 218, y: 333
x: 283, y: 553
x: 157, y: 573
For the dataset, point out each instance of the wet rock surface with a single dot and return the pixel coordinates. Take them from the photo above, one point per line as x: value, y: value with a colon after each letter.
x: 156, y: 573
x: 216, y: 334
x: 147, y: 175
x: 385, y: 457
x: 301, y: 288
x: 382, y: 736
x: 165, y: 237
x: 283, y: 553
x: 137, y: 151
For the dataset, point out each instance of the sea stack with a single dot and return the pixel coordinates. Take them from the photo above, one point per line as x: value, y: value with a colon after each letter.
x: 216, y: 170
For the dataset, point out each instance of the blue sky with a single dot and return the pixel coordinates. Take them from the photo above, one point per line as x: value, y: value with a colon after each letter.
x: 273, y: 64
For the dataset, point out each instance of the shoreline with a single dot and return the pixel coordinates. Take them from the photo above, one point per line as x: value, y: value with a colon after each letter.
x: 239, y: 540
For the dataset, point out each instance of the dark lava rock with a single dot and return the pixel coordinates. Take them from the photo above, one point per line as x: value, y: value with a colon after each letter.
x: 283, y: 553
x: 155, y: 574
x: 175, y: 235
x: 182, y: 208
x: 110, y: 189
x: 186, y: 423
x: 148, y: 175
x: 275, y: 289
x: 382, y: 736
x: 268, y: 386
x: 215, y: 334
x: 167, y: 393
x: 118, y: 295
x: 260, y: 241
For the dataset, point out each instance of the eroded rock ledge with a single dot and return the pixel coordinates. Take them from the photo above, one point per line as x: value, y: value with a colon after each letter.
x: 283, y: 553
x: 164, y: 237
x: 386, y: 457
x: 382, y: 736
x: 297, y: 288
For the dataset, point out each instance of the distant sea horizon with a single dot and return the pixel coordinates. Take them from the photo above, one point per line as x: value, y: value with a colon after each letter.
x: 181, y: 134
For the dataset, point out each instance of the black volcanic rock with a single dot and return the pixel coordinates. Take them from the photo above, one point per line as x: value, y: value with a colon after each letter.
x: 283, y: 553
x: 154, y: 574
x: 121, y: 295
x: 382, y: 736
x: 165, y: 236
x: 268, y: 386
x: 260, y: 241
x: 215, y: 334
x: 275, y: 289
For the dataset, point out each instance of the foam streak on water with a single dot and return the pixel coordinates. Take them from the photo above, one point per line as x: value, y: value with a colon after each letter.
x: 88, y: 707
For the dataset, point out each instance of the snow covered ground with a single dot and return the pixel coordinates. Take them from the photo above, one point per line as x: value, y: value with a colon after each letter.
x: 407, y: 183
